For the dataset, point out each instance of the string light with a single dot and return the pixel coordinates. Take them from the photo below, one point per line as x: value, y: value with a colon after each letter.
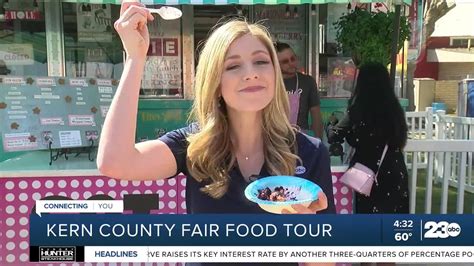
x: 287, y: 13
x: 239, y: 10
x: 313, y: 10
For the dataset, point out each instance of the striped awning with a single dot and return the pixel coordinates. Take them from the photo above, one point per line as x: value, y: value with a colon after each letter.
x: 234, y: 2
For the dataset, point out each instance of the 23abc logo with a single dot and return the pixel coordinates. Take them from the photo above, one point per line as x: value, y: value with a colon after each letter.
x: 441, y: 229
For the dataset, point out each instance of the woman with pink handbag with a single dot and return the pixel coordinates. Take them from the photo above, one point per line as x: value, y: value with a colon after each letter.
x: 375, y: 127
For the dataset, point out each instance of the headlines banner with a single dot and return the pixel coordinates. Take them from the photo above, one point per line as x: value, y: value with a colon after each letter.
x: 251, y: 238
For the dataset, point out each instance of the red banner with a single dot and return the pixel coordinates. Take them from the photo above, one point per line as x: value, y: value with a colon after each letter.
x: 22, y: 15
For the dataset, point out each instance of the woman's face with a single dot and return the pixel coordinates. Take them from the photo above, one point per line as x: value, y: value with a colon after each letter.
x: 248, y: 78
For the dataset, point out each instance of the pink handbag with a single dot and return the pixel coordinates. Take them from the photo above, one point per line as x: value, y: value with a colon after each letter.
x: 361, y: 178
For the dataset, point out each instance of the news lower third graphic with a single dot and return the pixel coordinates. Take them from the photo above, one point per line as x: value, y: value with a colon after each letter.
x: 98, y: 231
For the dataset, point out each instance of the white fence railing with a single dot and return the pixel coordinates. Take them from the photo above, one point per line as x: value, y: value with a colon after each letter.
x: 455, y: 128
x: 420, y: 126
x: 426, y: 125
x: 434, y: 148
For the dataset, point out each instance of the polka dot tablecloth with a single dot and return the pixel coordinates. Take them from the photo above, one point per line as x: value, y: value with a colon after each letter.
x: 342, y: 195
x: 18, y: 196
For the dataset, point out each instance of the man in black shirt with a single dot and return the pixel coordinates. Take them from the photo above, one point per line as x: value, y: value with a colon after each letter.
x: 302, y: 91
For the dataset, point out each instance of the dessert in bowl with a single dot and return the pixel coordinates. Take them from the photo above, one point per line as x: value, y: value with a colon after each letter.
x: 275, y: 193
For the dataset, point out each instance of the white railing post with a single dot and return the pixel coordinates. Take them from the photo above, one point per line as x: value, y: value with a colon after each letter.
x: 440, y: 127
x: 429, y: 184
x: 461, y: 184
x: 470, y: 161
x: 414, y: 173
x: 429, y: 123
x: 441, y: 146
x: 445, y: 187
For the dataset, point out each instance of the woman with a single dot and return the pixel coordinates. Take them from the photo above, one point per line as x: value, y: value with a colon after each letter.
x: 241, y: 130
x: 375, y: 119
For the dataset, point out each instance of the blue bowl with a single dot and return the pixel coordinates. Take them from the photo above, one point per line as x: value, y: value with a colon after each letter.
x: 302, y: 192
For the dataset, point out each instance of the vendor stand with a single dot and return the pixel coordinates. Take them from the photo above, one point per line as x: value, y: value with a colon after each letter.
x: 74, y: 40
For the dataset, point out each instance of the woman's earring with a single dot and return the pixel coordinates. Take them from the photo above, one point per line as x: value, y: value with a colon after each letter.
x: 220, y: 102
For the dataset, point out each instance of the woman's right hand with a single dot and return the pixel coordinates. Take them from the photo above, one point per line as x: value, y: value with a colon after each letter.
x: 132, y: 29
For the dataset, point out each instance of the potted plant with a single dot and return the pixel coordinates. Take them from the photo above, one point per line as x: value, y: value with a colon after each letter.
x: 367, y: 36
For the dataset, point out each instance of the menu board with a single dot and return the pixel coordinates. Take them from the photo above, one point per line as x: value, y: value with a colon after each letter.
x: 37, y: 113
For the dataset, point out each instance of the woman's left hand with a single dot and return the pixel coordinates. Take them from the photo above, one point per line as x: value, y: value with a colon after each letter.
x: 314, y: 207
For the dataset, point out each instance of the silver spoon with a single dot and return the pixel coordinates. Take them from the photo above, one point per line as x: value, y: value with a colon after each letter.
x: 167, y: 12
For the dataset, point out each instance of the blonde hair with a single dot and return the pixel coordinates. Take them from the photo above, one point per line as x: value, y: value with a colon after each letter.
x: 210, y: 155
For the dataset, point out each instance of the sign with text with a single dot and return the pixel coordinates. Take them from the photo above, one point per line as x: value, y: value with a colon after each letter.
x: 286, y: 25
x: 272, y: 238
x: 17, y: 54
x: 163, y: 70
x: 94, y: 23
x: 37, y: 112
x: 22, y: 15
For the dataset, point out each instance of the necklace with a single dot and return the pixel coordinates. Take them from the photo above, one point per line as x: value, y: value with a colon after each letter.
x: 246, y: 158
x: 242, y: 156
x: 297, y: 81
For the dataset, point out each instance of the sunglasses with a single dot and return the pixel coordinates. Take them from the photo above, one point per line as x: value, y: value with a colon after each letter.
x: 288, y: 60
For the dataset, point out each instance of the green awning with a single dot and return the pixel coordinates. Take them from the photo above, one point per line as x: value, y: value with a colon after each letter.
x: 230, y: 2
